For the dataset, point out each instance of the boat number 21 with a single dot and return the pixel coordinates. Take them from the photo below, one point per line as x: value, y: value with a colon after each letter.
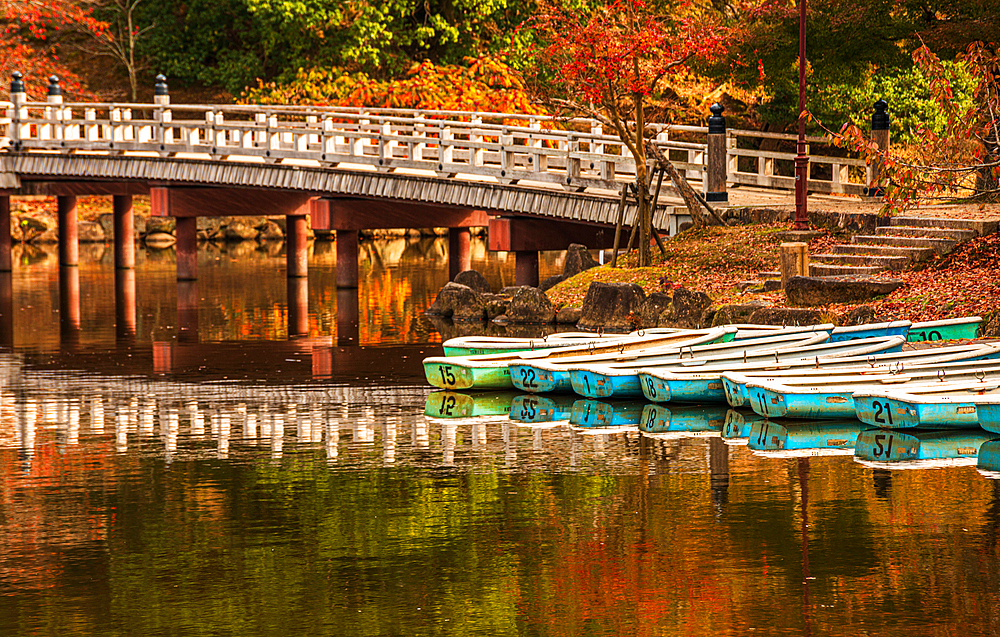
x: 880, y: 408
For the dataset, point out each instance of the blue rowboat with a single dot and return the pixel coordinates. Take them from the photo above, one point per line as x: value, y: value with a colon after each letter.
x: 689, y: 382
x: 481, y: 345
x: 988, y: 412
x: 888, y: 449
x: 738, y: 425
x: 734, y: 381
x: 802, y: 439
x: 490, y: 371
x: 868, y: 330
x: 988, y: 460
x: 933, y: 406
x: 945, y: 330
x: 451, y: 404
x: 551, y: 375
x: 833, y: 396
x: 686, y: 421
x: 535, y: 409
x: 622, y: 379
x: 606, y: 416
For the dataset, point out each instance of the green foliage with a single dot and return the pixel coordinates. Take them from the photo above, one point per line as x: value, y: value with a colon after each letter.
x: 912, y: 106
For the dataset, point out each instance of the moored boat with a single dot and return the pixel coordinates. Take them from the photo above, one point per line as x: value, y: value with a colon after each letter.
x: 938, y: 406
x: 803, y: 439
x: 945, y: 330
x: 451, y: 404
x: 606, y: 416
x: 889, y: 449
x: 684, y: 421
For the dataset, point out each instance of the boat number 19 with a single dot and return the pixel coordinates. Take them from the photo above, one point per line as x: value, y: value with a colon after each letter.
x: 879, y: 409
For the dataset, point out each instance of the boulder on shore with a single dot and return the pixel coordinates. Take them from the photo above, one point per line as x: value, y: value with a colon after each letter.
x: 578, y: 259
x: 458, y: 302
x: 736, y: 313
x: 785, y: 316
x: 530, y: 305
x: 474, y: 280
x: 653, y: 308
x: 686, y: 309
x: 821, y: 290
x: 611, y: 306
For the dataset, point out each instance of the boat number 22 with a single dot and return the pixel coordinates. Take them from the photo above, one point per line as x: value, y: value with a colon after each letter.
x: 528, y: 377
x: 879, y: 409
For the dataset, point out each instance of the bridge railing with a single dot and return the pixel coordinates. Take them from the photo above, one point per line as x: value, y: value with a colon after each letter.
x: 575, y: 154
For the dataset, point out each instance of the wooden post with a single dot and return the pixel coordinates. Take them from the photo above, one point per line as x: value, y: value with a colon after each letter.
x: 69, y: 305
x: 526, y: 267
x: 296, y: 246
x: 347, y: 316
x: 6, y: 262
x: 298, y: 306
x: 794, y: 260
x: 187, y: 311
x: 715, y: 180
x: 125, y: 314
x: 347, y: 258
x: 459, y: 251
x: 880, y: 136
x: 187, y: 248
x: 69, y: 238
x: 124, y: 232
x: 6, y: 309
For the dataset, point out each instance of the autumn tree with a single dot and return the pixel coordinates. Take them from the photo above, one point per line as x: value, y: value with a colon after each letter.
x: 607, y: 63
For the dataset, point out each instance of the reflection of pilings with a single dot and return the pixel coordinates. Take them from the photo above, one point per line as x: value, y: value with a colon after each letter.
x: 509, y: 432
x: 718, y: 470
x: 449, y: 431
x: 196, y: 419
x: 97, y: 414
x: 347, y: 316
x: 187, y: 311
x: 6, y: 309
x: 277, y: 434
x: 121, y: 429
x: 27, y: 431
x: 170, y: 431
x: 332, y: 439
x: 420, y: 437
x: 125, y: 313
x: 223, y: 435
x: 72, y: 423
x: 298, y: 306
x: 803, y: 469
x: 146, y: 417
x: 389, y: 428
x: 478, y: 434
x: 69, y: 305
x: 536, y: 440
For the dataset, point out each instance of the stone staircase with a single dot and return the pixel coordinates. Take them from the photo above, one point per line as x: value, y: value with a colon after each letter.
x: 906, y: 240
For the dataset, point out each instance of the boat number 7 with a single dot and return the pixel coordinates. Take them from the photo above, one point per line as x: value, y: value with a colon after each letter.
x: 879, y: 408
x: 447, y: 376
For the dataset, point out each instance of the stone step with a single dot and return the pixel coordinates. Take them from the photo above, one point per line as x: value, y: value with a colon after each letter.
x: 979, y: 226
x: 881, y: 262
x: 935, y: 244
x: 827, y: 269
x: 959, y: 234
x: 915, y: 253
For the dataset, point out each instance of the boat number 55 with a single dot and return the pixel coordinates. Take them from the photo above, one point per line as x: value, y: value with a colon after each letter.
x: 447, y: 376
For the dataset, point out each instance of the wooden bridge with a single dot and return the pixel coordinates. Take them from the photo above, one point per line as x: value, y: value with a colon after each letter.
x: 537, y: 182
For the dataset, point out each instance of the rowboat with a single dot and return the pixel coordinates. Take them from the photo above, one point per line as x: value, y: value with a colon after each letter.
x: 885, y: 449
x: 734, y: 381
x: 603, y: 417
x: 988, y: 413
x: 490, y: 371
x: 686, y: 421
x: 833, y: 396
x: 481, y: 345
x: 703, y: 383
x: 869, y: 330
x: 738, y: 425
x: 621, y: 379
x: 803, y: 439
x: 535, y: 409
x: 450, y: 404
x: 945, y: 330
x: 988, y: 461
x: 938, y: 406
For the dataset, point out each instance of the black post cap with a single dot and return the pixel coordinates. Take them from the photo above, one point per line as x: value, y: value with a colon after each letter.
x: 716, y: 123
x: 17, y: 83
x: 161, y: 85
x: 880, y: 118
x: 54, y: 88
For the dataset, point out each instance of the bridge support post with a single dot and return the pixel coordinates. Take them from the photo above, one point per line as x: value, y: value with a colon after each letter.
x: 296, y: 246
x: 347, y: 316
x: 125, y: 314
x: 187, y: 311
x: 459, y: 251
x: 298, y: 306
x: 347, y: 258
x: 187, y: 248
x: 526, y: 267
x: 69, y: 237
x: 6, y: 262
x: 69, y: 305
x: 6, y: 309
x: 124, y: 232
x: 715, y: 176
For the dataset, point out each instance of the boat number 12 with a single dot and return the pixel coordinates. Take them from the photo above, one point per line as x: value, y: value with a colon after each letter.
x: 447, y: 376
x: 447, y: 406
x: 879, y: 408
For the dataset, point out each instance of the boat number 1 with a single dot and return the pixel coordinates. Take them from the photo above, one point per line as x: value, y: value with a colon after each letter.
x: 528, y: 377
x: 447, y: 376
x: 878, y: 450
x: 879, y: 408
x: 447, y: 406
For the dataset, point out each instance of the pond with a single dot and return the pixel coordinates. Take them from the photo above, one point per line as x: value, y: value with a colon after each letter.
x: 237, y: 481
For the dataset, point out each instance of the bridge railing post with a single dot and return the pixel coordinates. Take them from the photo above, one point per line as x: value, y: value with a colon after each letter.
x: 163, y: 115
x: 329, y: 144
x: 572, y: 163
x: 415, y: 149
x: 476, y: 137
x: 53, y: 111
x: 880, y: 135
x: 18, y: 96
x: 273, y: 135
x: 447, y: 147
x: 507, y: 160
x: 358, y: 147
x: 312, y: 138
x: 540, y: 160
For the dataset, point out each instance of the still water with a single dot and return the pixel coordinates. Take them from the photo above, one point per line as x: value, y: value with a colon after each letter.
x: 214, y: 476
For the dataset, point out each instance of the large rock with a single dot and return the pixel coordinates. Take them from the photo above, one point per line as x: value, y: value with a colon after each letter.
x: 568, y: 315
x: 990, y: 327
x: 474, y: 280
x: 238, y: 230
x: 530, y: 305
x: 159, y: 240
x: 785, y: 316
x: 686, y: 309
x: 611, y: 306
x: 161, y: 224
x: 652, y: 308
x: 738, y: 313
x: 821, y: 290
x: 458, y: 302
x: 859, y: 316
x: 89, y: 232
x: 551, y: 282
x: 577, y: 260
x: 26, y: 229
x: 496, y: 305
x: 269, y: 231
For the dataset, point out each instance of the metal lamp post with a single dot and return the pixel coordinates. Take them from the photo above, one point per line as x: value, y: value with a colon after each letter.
x: 801, y: 158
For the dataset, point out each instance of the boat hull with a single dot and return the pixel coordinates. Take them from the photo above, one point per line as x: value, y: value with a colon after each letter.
x: 888, y: 447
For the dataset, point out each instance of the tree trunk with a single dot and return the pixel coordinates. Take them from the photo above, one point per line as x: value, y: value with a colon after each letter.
x: 987, y: 177
x: 642, y: 185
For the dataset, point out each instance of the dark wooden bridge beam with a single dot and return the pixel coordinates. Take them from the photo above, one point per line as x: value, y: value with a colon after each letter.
x: 337, y: 213
x: 82, y: 188
x: 520, y: 234
x: 6, y: 262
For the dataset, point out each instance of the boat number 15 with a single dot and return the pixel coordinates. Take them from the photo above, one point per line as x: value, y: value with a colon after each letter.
x: 447, y: 376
